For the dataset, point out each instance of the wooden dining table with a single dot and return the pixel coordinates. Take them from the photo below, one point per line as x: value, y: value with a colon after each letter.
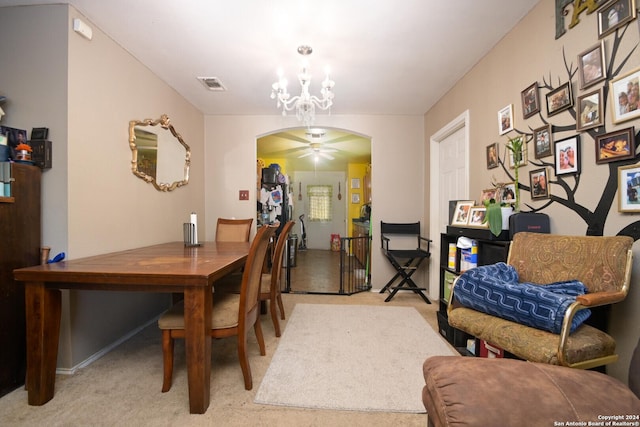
x: 170, y: 267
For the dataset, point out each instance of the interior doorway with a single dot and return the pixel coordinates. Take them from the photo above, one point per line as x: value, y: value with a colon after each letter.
x: 449, y: 180
x: 317, y: 157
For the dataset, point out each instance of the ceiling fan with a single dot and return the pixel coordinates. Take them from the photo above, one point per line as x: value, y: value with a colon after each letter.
x: 317, y: 150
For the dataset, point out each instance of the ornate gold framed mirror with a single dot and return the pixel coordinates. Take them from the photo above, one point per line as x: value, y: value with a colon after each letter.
x: 158, y: 153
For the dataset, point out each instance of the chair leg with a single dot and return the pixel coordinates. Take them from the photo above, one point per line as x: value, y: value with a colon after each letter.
x: 274, y: 317
x: 244, y: 361
x: 257, y: 327
x: 167, y: 359
x: 281, y: 305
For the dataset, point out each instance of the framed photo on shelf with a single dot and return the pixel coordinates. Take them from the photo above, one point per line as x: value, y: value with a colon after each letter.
x: 628, y: 183
x: 614, y: 15
x: 559, y: 99
x: 567, y: 156
x: 518, y: 158
x: 492, y: 156
x: 624, y: 90
x: 508, y: 193
x: 530, y: 101
x: 505, y: 119
x: 539, y: 184
x: 476, y: 217
x: 488, y: 194
x: 589, y: 110
x: 591, y: 66
x: 616, y: 145
x: 461, y: 213
x: 543, y: 139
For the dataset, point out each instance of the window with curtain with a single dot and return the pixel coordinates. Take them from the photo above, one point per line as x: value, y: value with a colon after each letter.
x: 320, y: 197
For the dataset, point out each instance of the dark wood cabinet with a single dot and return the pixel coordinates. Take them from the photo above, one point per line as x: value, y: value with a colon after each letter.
x: 490, y: 251
x: 20, y: 228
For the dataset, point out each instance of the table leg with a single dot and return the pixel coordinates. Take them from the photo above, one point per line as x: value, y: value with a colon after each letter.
x: 197, y: 325
x: 43, y: 310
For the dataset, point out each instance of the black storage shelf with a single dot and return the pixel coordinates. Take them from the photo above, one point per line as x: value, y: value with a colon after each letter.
x: 491, y: 249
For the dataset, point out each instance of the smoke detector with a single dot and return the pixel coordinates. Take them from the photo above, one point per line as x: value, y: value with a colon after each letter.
x: 212, y: 83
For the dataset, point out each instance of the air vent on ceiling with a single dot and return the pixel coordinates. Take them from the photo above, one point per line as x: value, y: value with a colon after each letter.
x: 212, y: 83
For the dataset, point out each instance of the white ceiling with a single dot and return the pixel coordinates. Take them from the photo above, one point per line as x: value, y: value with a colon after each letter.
x: 388, y: 57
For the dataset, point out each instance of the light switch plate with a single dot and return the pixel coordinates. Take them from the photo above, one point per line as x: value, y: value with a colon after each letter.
x: 244, y: 195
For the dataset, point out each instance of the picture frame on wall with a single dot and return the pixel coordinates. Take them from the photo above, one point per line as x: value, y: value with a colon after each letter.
x: 492, y: 156
x: 589, y: 110
x: 591, y: 66
x: 476, y: 217
x: 543, y: 140
x: 505, y: 119
x: 567, y: 156
x: 622, y: 96
x: 530, y: 101
x: 461, y: 213
x: 628, y: 188
x: 559, y: 99
x: 539, y: 180
x: 614, y: 15
x: 616, y: 145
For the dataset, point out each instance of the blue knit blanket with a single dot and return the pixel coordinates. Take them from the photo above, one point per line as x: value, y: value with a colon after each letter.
x: 494, y: 289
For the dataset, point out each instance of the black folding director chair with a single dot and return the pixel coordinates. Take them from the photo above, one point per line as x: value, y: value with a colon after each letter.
x: 405, y: 261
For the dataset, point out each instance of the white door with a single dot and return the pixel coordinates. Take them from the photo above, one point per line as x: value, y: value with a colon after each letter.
x: 449, y: 179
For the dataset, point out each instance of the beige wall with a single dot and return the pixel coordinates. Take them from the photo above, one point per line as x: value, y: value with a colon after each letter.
x: 528, y: 54
x: 86, y: 92
x: 397, y: 148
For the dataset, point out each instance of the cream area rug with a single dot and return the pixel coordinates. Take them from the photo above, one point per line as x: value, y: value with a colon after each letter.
x: 351, y: 357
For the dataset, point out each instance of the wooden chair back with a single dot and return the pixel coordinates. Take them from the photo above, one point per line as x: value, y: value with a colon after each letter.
x: 233, y: 230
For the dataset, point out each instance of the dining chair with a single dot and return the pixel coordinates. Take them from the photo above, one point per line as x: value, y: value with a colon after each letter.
x: 231, y: 314
x: 270, y: 283
x: 233, y: 230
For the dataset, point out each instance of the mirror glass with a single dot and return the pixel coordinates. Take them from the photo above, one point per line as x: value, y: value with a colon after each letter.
x: 159, y: 154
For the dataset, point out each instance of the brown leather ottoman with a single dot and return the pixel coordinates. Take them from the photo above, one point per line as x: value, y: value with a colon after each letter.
x: 473, y: 391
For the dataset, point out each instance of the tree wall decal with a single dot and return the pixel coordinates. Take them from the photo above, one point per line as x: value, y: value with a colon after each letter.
x: 566, y: 186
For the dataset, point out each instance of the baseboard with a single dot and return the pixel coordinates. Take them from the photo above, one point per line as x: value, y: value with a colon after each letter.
x: 97, y: 355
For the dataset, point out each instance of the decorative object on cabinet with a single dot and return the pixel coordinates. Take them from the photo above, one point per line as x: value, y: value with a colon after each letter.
x: 461, y: 212
x: 42, y: 153
x: 492, y: 156
x: 530, y: 101
x: 505, y: 119
x: 615, y: 15
x: 543, y: 139
x: 559, y: 99
x: 518, y: 155
x: 621, y: 98
x: 567, y: 159
x: 20, y: 248
x: 156, y: 153
x: 616, y: 145
x: 477, y: 217
x: 591, y: 66
x: 628, y: 183
x: 539, y: 184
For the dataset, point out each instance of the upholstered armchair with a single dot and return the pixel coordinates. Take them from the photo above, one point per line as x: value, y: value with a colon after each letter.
x: 602, y: 264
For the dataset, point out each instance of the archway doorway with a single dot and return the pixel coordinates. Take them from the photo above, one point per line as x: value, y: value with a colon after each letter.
x: 319, y: 158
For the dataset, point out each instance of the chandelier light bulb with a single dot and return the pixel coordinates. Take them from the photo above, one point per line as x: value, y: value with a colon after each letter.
x: 305, y: 103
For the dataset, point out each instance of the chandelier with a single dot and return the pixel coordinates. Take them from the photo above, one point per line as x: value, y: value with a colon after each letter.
x: 304, y: 104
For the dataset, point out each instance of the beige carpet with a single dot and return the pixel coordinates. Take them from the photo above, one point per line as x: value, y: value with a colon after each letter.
x: 123, y: 387
x: 354, y: 357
